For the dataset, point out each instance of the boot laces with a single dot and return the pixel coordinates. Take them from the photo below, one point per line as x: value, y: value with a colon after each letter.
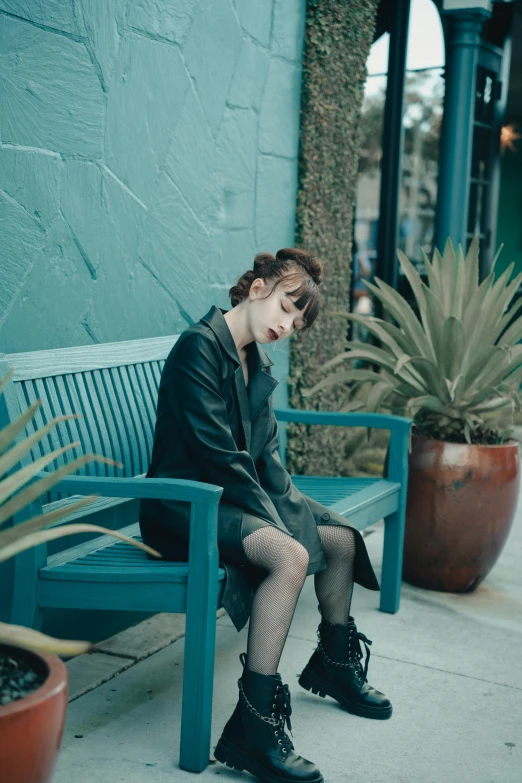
x: 354, y: 651
x: 282, y: 707
x: 283, y: 703
x: 355, y: 643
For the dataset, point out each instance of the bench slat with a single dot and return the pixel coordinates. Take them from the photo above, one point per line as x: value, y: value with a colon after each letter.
x: 364, y: 498
x: 118, y: 595
x: 83, y: 358
x: 328, y: 490
x: 103, y: 560
x: 96, y: 506
x: 361, y: 500
x: 147, y: 395
x: 111, y: 413
x: 157, y: 572
x: 74, y: 428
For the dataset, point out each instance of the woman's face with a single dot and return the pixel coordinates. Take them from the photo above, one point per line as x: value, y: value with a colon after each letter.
x: 272, y: 317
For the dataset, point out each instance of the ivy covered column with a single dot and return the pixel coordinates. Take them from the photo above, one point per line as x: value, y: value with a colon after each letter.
x: 337, y: 43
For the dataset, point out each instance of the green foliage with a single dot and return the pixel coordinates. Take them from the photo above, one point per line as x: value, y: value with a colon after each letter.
x: 457, y: 367
x: 337, y: 42
x: 18, y: 490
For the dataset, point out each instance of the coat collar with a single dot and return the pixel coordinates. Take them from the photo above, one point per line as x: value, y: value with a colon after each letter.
x: 261, y: 384
x: 215, y: 319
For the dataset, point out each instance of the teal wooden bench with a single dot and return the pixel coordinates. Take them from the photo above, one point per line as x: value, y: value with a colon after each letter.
x: 114, y: 387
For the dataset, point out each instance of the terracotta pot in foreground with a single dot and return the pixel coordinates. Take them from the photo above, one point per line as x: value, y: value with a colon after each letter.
x: 31, y: 728
x: 461, y: 505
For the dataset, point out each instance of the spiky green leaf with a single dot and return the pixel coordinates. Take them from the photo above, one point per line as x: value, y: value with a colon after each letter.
x: 453, y: 347
x: 403, y: 314
x: 472, y: 273
x: 37, y: 488
x: 348, y: 376
x: 378, y: 394
x: 433, y: 282
x: 426, y: 401
x: 47, y: 519
x: 15, y: 454
x: 9, y: 433
x: 28, y: 639
x: 40, y: 537
x: 448, y: 276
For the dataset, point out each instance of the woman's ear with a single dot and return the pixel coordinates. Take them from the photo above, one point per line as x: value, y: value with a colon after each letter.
x: 256, y: 288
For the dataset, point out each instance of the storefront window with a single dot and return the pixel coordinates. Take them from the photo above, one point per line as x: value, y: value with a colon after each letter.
x: 424, y: 94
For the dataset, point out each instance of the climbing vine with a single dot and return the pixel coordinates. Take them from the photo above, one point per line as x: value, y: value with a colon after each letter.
x: 337, y: 42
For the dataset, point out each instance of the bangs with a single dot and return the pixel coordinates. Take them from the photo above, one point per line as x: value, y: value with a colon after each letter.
x: 307, y: 298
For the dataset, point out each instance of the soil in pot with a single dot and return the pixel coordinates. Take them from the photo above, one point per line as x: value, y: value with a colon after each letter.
x: 17, y: 677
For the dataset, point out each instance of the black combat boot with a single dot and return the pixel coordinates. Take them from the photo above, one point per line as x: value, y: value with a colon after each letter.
x: 335, y: 670
x: 255, y: 738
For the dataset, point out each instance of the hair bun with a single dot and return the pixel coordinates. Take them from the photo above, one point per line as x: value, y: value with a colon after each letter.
x: 312, y: 265
x: 240, y: 291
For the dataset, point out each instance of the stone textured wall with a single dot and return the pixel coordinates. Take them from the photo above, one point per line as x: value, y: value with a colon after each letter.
x: 148, y: 151
x: 337, y: 43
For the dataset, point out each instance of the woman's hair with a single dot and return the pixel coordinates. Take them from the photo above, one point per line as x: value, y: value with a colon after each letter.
x: 295, y: 266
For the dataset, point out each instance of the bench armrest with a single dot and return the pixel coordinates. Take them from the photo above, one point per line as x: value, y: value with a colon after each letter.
x: 150, y: 488
x: 333, y: 418
x: 399, y: 426
x: 203, y: 550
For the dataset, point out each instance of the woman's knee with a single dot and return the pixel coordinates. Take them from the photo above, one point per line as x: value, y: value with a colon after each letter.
x: 274, y: 550
x: 338, y: 541
x: 297, y: 560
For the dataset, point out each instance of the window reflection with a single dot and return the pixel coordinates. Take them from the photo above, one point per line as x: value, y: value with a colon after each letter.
x: 367, y: 200
x: 422, y: 122
x: 424, y: 92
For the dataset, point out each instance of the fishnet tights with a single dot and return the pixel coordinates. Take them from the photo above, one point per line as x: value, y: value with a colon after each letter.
x: 334, y: 586
x: 286, y: 561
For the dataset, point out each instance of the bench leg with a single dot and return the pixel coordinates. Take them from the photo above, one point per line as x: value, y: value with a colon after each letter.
x: 198, y: 682
x: 392, y: 562
x: 25, y: 610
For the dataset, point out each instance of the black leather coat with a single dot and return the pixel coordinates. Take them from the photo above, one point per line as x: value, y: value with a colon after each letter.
x: 210, y: 427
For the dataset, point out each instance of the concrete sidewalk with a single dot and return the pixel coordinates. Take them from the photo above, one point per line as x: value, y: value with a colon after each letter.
x: 451, y: 664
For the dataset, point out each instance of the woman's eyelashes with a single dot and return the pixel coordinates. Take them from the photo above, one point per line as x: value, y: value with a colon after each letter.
x: 294, y: 325
x: 283, y: 308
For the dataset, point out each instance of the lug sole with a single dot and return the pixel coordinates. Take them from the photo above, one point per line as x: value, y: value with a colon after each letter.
x: 229, y: 754
x: 312, y: 682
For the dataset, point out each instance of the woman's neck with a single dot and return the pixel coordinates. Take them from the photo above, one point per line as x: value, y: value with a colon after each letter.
x: 236, y: 319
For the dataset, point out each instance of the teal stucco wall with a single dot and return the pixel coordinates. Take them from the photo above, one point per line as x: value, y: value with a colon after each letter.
x: 148, y: 149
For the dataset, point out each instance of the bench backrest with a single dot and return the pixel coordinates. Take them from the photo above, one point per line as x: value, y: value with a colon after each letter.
x: 113, y: 387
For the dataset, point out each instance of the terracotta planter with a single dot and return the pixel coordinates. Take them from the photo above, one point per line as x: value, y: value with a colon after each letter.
x: 31, y: 728
x: 461, y: 504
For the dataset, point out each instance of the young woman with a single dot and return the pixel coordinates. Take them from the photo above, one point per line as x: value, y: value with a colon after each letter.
x: 215, y: 423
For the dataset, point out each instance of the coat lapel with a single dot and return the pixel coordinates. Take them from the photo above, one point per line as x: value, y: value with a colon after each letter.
x: 260, y: 385
x: 244, y: 408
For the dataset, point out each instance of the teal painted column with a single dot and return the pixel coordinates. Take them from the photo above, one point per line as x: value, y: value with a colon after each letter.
x: 462, y: 48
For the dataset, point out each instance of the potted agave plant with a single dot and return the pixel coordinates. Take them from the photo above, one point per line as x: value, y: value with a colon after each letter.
x: 33, y: 679
x: 455, y: 368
